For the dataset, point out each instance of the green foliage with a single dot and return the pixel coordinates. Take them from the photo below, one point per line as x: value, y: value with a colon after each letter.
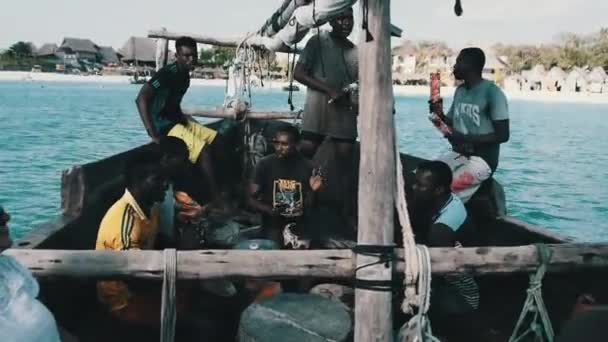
x: 572, y: 50
x: 21, y: 50
x: 216, y: 56
x: 599, y: 51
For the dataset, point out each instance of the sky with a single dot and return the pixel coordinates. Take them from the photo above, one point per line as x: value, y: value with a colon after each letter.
x: 111, y: 22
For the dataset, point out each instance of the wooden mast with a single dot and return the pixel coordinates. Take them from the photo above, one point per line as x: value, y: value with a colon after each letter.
x: 373, y: 309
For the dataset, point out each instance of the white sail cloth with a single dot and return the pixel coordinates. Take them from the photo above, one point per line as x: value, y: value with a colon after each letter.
x: 315, y: 14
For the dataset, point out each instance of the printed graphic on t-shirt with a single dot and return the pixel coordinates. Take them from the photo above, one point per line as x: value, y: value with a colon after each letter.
x: 464, y: 111
x: 287, y: 197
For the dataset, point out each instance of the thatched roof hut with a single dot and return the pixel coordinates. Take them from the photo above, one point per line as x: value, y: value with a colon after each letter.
x: 47, y: 50
x: 139, y: 48
x: 597, y: 75
x: 555, y: 79
x: 576, y: 81
x: 81, y: 48
x: 108, y: 55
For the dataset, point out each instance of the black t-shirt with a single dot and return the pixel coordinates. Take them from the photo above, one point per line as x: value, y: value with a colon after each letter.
x: 284, y: 183
x: 170, y: 85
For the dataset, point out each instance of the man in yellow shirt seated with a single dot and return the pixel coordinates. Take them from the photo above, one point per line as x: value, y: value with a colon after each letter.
x: 132, y: 223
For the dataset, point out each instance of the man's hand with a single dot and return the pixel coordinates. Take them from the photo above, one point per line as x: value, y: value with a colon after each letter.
x: 457, y: 138
x: 436, y: 107
x: 336, y: 95
x: 460, y: 143
x: 316, y: 182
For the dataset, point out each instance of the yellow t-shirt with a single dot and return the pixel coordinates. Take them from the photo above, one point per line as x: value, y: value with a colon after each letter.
x: 195, y: 136
x: 124, y: 226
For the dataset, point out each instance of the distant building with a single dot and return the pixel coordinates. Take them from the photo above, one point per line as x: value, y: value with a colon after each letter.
x: 108, y: 56
x: 79, y: 49
x: 48, y: 50
x: 576, y: 81
x: 597, y: 80
x: 140, y: 49
x: 555, y: 80
x: 513, y: 83
x: 495, y: 68
x: 403, y: 60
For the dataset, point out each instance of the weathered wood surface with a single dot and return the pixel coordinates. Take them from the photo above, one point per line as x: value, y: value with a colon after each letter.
x: 216, y: 41
x: 290, y: 264
x: 373, y: 309
x: 72, y: 191
x: 228, y: 42
x: 231, y: 114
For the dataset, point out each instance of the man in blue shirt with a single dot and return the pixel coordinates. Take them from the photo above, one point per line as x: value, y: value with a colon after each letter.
x: 479, y: 120
x: 455, y: 299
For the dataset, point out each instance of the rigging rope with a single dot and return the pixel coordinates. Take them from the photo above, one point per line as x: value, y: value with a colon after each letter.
x: 409, y: 244
x: 534, y: 306
x: 418, y: 328
x: 168, y: 307
x: 417, y: 277
x: 291, y: 77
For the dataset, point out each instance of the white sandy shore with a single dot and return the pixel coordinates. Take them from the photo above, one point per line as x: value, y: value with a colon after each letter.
x: 542, y: 96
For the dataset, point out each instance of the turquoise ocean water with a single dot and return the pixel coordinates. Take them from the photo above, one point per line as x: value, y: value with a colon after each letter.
x: 554, y: 169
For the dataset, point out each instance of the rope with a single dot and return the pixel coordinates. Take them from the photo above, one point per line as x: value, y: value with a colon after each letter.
x: 418, y: 328
x: 293, y: 67
x: 385, y: 255
x: 534, y: 304
x: 168, y: 314
x: 238, y: 85
x: 365, y: 21
x: 417, y: 278
x: 409, y: 244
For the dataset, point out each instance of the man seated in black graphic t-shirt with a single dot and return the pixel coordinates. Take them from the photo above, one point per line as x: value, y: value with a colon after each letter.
x: 283, y: 190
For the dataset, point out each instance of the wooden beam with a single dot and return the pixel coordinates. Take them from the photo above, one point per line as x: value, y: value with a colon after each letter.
x: 373, y: 309
x: 230, y: 114
x: 230, y: 42
x: 225, y: 42
x: 339, y: 264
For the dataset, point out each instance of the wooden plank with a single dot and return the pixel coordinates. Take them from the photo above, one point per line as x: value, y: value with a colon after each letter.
x: 339, y: 264
x: 373, y: 309
x: 225, y: 42
x: 191, y: 264
x: 228, y: 114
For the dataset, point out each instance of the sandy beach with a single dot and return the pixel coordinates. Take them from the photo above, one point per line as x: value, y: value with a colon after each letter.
x: 542, y: 96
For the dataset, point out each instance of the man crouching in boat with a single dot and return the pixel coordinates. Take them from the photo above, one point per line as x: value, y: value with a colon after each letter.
x: 132, y: 223
x: 454, y: 299
x: 159, y: 105
x: 283, y: 190
x: 479, y: 121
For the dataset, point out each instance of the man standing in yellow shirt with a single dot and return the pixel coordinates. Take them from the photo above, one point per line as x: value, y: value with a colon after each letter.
x: 132, y: 223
